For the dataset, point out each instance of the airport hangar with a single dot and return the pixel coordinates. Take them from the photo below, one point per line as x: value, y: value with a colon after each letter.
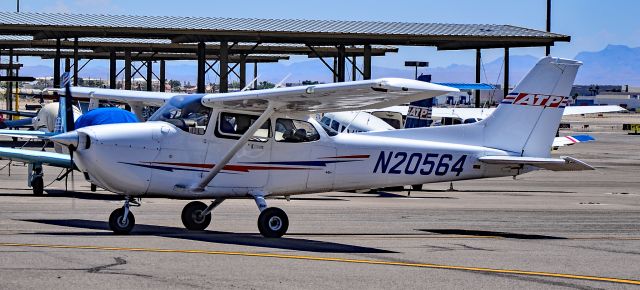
x: 231, y: 43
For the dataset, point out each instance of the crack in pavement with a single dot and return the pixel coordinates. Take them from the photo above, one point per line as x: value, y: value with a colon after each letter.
x: 119, y: 261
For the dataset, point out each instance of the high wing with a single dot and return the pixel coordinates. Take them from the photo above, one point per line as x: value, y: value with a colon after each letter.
x: 32, y: 156
x: 334, y: 97
x: 125, y: 96
x: 564, y: 163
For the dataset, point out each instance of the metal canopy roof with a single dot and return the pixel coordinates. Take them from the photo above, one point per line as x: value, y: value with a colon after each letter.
x: 316, y: 32
x: 46, y: 53
x: 99, y: 44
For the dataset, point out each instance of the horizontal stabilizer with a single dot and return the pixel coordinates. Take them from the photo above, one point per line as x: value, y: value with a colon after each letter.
x: 564, y: 163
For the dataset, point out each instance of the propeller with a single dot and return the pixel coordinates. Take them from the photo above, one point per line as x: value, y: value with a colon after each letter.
x: 65, y: 124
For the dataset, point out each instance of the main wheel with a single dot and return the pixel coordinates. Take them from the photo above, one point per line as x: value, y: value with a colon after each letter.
x: 192, y: 217
x: 117, y: 225
x: 37, y: 184
x: 273, y: 222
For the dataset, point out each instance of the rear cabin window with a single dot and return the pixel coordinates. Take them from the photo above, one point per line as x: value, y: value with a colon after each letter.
x: 233, y: 126
x: 295, y: 131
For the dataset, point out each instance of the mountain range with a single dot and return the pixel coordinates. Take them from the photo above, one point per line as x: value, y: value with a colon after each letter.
x: 615, y: 64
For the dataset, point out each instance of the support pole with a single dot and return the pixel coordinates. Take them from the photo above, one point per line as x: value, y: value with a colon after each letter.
x: 149, y: 76
x: 335, y: 70
x: 163, y: 78
x: 341, y: 63
x: 478, y: 64
x: 367, y: 62
x: 243, y: 71
x: 9, y: 105
x: 224, y: 66
x: 200, y: 86
x: 255, y: 75
x: 506, y: 71
x: 76, y: 62
x: 354, y: 68
x: 127, y: 69
x: 67, y: 64
x: 548, y: 48
x: 112, y: 69
x: 56, y: 66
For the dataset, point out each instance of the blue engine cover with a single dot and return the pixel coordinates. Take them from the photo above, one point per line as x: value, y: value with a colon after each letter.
x: 101, y: 116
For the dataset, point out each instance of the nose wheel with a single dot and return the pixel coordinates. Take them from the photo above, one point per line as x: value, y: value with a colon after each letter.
x: 121, y: 220
x: 193, y: 217
x: 196, y: 215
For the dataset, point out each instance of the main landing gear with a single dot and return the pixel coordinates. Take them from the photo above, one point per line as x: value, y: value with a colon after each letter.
x: 272, y: 222
x: 35, y: 178
x: 121, y: 221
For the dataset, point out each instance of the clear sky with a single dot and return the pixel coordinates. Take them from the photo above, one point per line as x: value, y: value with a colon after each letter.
x: 592, y: 24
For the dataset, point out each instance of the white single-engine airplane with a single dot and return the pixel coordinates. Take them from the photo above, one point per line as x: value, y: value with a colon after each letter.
x: 260, y: 144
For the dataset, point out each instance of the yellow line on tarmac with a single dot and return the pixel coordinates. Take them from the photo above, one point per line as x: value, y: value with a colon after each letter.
x: 334, y: 259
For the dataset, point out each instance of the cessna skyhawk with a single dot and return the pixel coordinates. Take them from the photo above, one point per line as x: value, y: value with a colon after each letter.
x: 261, y: 144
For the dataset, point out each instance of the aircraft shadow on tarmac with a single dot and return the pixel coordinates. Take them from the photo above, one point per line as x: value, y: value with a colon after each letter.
x: 385, y: 194
x: 491, y: 234
x: 62, y: 193
x: 253, y: 240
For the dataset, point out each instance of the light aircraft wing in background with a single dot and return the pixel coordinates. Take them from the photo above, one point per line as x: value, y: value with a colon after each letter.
x: 578, y: 110
x: 32, y: 156
x: 125, y: 96
x: 481, y: 113
x: 26, y: 134
x: 334, y: 97
x: 18, y: 113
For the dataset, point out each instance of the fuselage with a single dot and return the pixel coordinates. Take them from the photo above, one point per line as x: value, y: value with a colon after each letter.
x: 161, y: 158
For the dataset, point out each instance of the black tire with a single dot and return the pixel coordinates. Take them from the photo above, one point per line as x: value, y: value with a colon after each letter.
x: 116, y: 225
x: 192, y: 218
x: 273, y: 223
x: 37, y: 184
x: 416, y: 187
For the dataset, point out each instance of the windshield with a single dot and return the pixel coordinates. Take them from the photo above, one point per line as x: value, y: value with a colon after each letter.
x: 185, y: 112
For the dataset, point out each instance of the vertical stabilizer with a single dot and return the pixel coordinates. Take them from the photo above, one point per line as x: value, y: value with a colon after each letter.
x: 65, y: 119
x: 527, y: 119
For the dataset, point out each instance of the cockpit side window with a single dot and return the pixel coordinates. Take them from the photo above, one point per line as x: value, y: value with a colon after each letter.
x: 295, y: 131
x: 185, y: 112
x: 233, y: 126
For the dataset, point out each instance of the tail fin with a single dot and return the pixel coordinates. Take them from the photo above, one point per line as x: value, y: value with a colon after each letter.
x: 527, y: 119
x: 65, y: 120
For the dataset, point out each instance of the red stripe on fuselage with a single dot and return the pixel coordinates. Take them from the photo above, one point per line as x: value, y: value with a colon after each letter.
x: 349, y: 156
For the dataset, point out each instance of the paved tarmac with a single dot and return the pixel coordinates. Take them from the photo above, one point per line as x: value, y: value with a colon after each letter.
x: 544, y: 230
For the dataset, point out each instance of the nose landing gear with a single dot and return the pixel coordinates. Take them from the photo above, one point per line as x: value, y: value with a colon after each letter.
x: 121, y: 220
x: 196, y: 215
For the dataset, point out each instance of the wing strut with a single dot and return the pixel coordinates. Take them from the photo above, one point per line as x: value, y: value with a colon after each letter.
x: 271, y: 108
